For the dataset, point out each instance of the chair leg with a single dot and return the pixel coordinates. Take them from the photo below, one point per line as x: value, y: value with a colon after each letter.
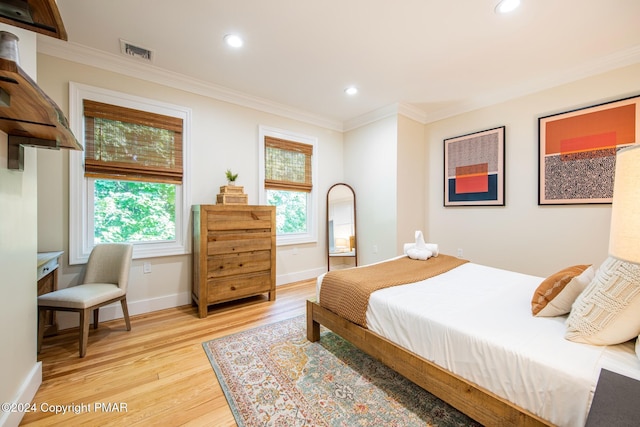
x: 41, y: 317
x: 125, y: 311
x: 84, y: 331
x: 96, y: 315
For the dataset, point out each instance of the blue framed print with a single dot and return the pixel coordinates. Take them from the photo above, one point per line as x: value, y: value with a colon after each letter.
x: 474, y: 169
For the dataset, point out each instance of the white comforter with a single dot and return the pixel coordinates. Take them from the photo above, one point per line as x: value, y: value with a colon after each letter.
x: 476, y: 321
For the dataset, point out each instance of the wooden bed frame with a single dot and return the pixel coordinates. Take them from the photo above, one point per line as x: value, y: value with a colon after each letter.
x: 476, y: 402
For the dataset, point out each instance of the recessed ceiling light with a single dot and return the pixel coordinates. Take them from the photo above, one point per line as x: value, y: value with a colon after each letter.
x: 233, y: 40
x: 351, y: 90
x: 506, y: 6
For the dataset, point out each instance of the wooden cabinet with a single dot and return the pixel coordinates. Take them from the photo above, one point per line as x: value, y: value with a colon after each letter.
x: 33, y: 119
x: 28, y: 115
x: 234, y: 253
x: 40, y: 16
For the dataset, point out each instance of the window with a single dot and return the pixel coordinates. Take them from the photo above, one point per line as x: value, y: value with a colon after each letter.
x: 130, y: 183
x: 287, y: 171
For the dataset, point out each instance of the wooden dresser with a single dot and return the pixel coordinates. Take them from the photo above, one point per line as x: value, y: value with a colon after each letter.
x: 234, y: 253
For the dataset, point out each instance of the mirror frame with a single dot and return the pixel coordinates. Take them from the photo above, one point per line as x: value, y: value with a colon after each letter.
x: 355, y: 234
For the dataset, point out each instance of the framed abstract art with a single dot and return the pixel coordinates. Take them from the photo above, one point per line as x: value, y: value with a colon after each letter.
x: 474, y: 169
x: 577, y: 151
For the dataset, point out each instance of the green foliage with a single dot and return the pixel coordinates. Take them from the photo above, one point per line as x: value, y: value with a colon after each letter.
x: 128, y: 211
x: 291, y: 210
x: 231, y: 177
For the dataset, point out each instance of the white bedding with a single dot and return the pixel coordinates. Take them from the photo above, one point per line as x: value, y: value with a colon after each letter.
x: 476, y: 321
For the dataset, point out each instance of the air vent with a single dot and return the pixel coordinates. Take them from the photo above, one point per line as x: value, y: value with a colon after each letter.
x: 138, y: 52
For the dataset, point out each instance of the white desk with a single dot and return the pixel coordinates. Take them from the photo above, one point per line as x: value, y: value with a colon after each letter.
x: 48, y: 263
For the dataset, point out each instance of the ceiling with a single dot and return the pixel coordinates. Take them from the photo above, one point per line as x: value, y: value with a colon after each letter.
x: 434, y: 58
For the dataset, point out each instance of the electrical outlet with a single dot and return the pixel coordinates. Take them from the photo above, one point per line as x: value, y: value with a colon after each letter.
x: 459, y: 252
x: 375, y: 249
x: 146, y: 267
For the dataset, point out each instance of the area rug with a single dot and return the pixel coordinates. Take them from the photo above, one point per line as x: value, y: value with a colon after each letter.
x: 273, y: 376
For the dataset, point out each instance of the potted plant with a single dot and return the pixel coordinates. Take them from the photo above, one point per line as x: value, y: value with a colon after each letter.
x: 231, y: 177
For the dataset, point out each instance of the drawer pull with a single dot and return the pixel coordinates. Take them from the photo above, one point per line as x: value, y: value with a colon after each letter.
x: 233, y: 288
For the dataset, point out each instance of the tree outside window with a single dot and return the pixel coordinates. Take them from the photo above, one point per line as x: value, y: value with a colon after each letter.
x: 287, y: 166
x: 134, y: 160
x: 291, y: 210
x: 127, y: 211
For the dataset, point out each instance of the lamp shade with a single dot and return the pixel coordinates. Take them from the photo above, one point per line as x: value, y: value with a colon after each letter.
x: 341, y: 242
x: 624, y: 237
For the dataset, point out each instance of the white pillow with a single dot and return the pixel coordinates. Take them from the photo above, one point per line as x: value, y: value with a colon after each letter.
x: 607, y: 312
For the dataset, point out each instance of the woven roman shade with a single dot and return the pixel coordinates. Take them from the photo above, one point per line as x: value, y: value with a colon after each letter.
x: 128, y: 144
x: 287, y: 165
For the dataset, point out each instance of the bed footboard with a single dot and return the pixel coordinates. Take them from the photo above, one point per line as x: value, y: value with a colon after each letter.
x: 479, y: 404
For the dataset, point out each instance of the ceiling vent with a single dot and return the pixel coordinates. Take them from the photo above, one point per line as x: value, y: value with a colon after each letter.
x: 138, y: 52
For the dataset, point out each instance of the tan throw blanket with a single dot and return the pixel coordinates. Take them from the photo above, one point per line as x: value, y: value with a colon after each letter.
x: 346, y: 292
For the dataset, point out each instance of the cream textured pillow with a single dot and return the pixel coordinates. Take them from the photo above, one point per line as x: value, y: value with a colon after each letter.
x: 607, y: 312
x: 556, y: 293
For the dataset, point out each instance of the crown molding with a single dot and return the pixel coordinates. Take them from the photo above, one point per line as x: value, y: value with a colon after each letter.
x: 128, y: 67
x: 373, y: 116
x: 588, y: 69
x: 592, y: 68
x: 404, y: 109
x: 412, y: 112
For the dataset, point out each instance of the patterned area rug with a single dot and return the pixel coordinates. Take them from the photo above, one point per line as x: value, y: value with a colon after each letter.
x: 273, y: 376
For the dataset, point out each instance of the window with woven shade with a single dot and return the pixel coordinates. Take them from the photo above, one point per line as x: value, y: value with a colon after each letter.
x: 131, y: 182
x: 287, y: 165
x: 127, y: 144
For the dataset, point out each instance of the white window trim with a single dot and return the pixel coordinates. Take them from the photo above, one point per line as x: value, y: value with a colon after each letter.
x: 311, y: 236
x: 80, y: 242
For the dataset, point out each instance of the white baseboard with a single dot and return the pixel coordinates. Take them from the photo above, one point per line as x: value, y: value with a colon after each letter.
x: 299, y: 275
x: 114, y: 311
x: 26, y: 394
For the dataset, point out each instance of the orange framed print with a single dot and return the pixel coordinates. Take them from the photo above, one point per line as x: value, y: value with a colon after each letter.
x: 577, y: 151
x: 474, y: 169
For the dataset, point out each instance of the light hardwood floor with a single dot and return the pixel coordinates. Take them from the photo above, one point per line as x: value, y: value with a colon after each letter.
x: 158, y: 373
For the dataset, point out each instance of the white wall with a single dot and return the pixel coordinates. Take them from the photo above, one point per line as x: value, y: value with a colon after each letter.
x: 384, y: 162
x: 20, y: 373
x: 225, y: 136
x: 412, y: 181
x: 523, y: 236
x: 398, y: 182
x: 371, y: 169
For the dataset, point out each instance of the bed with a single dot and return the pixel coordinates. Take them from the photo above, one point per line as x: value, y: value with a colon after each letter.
x: 468, y: 336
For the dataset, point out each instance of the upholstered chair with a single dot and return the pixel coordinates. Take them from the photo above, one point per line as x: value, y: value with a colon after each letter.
x: 105, y: 281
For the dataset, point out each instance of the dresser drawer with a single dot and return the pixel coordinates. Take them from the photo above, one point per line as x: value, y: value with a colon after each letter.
x: 238, y: 241
x: 238, y: 263
x: 226, y: 289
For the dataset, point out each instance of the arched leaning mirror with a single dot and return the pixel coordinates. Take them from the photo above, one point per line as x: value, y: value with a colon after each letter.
x: 341, y: 227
